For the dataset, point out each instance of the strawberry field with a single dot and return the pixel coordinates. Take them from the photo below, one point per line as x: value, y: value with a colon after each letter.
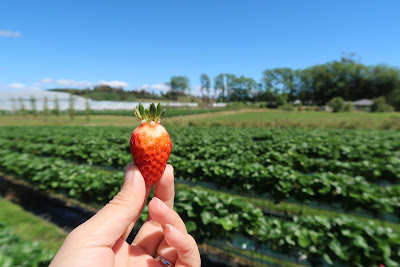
x: 231, y: 184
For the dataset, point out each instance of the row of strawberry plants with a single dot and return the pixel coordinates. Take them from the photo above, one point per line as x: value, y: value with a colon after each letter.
x: 215, y: 216
x: 279, y: 181
x: 15, y: 251
x: 108, y: 146
x: 328, y: 144
x: 376, y: 170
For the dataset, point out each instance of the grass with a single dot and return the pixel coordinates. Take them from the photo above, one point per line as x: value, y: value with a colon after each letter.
x: 310, y: 120
x: 30, y: 227
x: 233, y: 118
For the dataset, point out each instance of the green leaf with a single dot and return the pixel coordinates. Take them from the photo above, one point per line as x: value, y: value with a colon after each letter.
x: 141, y: 110
x: 327, y: 259
x: 152, y: 111
x: 304, y: 240
x: 162, y: 113
x: 359, y: 241
x: 336, y: 247
x: 190, y: 226
x: 159, y: 109
x: 206, y: 217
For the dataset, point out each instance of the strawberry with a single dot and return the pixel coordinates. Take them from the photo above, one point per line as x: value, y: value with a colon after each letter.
x: 150, y: 143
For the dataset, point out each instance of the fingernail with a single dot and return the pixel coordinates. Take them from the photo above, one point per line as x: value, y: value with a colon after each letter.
x: 161, y: 204
x: 170, y: 227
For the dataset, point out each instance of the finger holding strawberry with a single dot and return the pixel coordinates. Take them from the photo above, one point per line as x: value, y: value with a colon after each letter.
x: 150, y: 143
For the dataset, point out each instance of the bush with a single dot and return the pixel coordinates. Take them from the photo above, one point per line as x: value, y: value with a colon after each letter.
x: 379, y: 105
x: 337, y: 104
x: 287, y: 107
x: 238, y: 104
x: 348, y: 107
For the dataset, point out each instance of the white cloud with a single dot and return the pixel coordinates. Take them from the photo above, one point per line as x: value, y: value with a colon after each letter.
x: 17, y: 86
x: 65, y: 82
x: 74, y: 83
x: 161, y: 87
x: 115, y: 84
x: 5, y: 33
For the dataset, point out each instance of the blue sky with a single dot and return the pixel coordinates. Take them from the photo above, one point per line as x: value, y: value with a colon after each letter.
x: 141, y: 44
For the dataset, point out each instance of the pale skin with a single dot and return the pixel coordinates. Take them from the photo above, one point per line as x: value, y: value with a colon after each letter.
x: 100, y: 241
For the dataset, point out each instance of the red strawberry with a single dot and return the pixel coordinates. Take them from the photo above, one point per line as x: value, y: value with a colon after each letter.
x: 150, y: 143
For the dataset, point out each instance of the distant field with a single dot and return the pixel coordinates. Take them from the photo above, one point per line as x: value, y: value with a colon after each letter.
x: 311, y: 119
x: 236, y: 118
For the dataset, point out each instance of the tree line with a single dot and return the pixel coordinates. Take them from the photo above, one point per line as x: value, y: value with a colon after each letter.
x: 315, y: 85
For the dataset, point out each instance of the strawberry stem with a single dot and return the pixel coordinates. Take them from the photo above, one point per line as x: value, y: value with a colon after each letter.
x: 151, y: 114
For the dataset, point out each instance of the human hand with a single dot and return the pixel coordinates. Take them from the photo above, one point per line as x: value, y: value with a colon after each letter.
x: 100, y: 241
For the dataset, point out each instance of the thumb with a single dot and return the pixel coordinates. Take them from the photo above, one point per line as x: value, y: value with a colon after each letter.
x: 110, y: 223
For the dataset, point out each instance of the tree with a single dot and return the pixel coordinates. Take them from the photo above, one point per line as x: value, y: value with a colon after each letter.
x: 241, y: 88
x: 71, y: 109
x: 336, y: 103
x: 56, y: 107
x: 33, y: 106
x: 219, y: 85
x: 205, y: 84
x: 380, y: 105
x: 283, y: 80
x: 45, y: 108
x: 179, y: 84
x: 229, y: 83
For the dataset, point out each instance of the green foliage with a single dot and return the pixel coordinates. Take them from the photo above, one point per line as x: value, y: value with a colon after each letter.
x: 337, y: 104
x: 341, y: 169
x: 346, y: 78
x: 380, y: 105
x: 240, y: 88
x: 179, y: 84
x: 281, y: 79
x: 324, y: 166
x: 219, y: 85
x: 205, y: 84
x: 222, y: 216
x: 348, y: 107
x: 287, y: 107
x: 14, y: 251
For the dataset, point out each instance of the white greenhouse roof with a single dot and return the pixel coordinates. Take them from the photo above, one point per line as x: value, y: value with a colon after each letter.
x: 362, y: 102
x: 7, y: 99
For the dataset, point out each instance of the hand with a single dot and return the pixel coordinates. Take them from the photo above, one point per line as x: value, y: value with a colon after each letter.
x: 100, y: 241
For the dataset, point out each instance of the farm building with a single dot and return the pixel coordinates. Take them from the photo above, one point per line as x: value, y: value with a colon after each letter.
x: 362, y: 105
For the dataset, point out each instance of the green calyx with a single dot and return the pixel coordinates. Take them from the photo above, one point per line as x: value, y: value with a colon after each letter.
x: 151, y: 114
